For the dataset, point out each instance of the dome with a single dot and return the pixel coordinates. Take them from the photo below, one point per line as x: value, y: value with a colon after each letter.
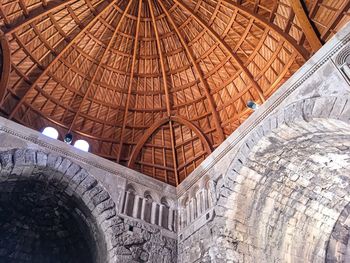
x: 155, y: 85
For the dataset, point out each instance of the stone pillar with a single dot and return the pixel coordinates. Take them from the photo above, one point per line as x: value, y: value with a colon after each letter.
x: 126, y: 201
x: 188, y: 213
x: 205, y: 199
x: 346, y: 70
x: 153, y: 212
x: 136, y: 206
x: 143, y: 208
x: 160, y: 215
x: 170, y: 219
x: 194, y: 208
x: 202, y: 201
x: 199, y: 203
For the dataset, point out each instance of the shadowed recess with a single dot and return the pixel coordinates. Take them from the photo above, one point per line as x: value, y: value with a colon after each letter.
x: 39, y: 223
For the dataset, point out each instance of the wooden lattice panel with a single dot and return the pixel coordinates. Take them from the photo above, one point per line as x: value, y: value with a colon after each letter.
x: 154, y: 85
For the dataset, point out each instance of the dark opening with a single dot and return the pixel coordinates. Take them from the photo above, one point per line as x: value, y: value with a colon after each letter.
x: 39, y: 223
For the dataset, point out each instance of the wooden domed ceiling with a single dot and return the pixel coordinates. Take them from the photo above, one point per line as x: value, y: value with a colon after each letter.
x: 153, y: 84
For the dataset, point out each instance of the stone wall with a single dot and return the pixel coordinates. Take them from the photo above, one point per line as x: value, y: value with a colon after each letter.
x: 280, y: 181
x: 54, y: 209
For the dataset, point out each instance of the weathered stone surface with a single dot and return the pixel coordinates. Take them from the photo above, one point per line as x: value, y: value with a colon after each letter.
x: 127, y: 240
x: 37, y: 225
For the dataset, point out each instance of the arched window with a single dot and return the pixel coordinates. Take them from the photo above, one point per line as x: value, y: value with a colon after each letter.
x: 148, y: 207
x: 129, y: 200
x: 82, y: 145
x: 165, y: 213
x: 50, y: 132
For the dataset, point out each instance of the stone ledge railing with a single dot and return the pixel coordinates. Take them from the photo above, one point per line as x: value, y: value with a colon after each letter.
x: 196, y: 207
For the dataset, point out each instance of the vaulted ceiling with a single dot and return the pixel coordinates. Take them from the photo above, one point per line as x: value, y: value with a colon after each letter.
x: 155, y: 85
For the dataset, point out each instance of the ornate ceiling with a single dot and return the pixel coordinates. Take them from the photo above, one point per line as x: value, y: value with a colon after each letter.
x: 155, y: 85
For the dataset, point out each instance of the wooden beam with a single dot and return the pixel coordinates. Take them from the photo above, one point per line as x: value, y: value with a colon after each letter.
x: 336, y: 18
x: 158, y: 124
x: 75, y: 38
x: 23, y: 7
x: 166, y: 89
x: 306, y: 25
x: 136, y: 42
x: 161, y: 59
x: 199, y: 74
x: 228, y: 49
x: 99, y: 65
x: 6, y: 66
x: 36, y: 14
x: 299, y: 49
x: 4, y: 17
x: 173, y: 150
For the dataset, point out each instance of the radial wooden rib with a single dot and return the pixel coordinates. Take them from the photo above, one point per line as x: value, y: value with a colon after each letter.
x: 46, y: 70
x: 166, y: 88
x: 273, y: 11
x: 199, y: 74
x: 6, y: 66
x: 132, y: 72
x: 24, y: 8
x: 99, y: 65
x: 172, y: 138
x: 305, y: 24
x: 227, y: 48
x: 299, y: 49
x: 44, y: 2
x: 36, y: 14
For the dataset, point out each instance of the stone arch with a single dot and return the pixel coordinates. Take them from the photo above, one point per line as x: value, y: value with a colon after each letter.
x: 282, y: 199
x: 148, y: 206
x: 338, y: 247
x: 184, y: 211
x: 164, y: 212
x: 343, y: 56
x: 64, y: 184
x: 129, y: 199
x: 330, y: 108
x: 342, y: 60
x: 194, y: 191
x: 148, y: 194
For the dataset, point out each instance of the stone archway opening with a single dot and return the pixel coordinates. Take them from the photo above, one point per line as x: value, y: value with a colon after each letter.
x: 40, y: 223
x: 52, y: 210
x: 289, y: 193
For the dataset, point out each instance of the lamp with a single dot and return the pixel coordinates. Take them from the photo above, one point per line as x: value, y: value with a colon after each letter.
x: 68, y: 138
x: 252, y: 105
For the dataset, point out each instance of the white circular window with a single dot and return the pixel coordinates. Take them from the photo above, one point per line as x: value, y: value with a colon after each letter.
x: 50, y: 132
x: 82, y: 145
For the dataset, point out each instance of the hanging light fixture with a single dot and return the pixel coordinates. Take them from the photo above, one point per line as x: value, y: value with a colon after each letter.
x: 251, y: 104
x: 68, y: 138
